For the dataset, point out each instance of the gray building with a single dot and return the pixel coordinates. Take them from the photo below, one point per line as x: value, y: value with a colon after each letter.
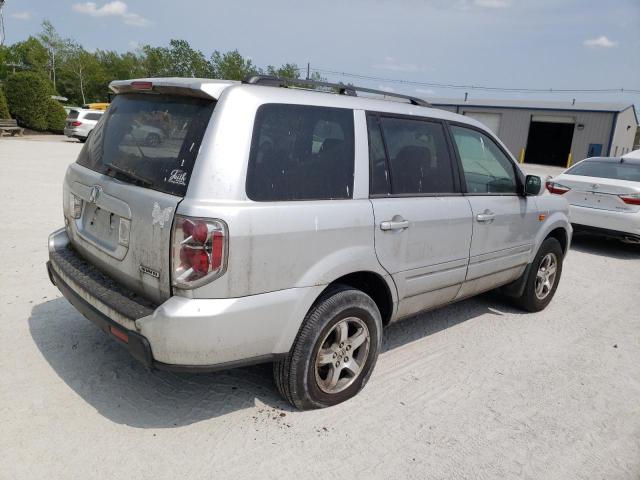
x: 553, y: 133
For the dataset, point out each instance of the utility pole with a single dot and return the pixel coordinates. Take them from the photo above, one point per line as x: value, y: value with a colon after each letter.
x: 308, y: 69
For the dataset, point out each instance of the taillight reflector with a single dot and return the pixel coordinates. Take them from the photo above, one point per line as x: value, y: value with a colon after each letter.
x: 119, y: 334
x: 556, y: 188
x: 76, y: 124
x: 631, y: 199
x: 142, y: 85
x: 199, y: 251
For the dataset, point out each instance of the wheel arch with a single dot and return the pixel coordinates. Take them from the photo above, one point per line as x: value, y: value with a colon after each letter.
x: 562, y: 236
x: 374, y: 285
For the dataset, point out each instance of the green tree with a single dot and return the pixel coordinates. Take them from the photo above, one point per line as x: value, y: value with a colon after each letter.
x: 29, y: 55
x: 28, y: 96
x: 56, y: 48
x: 56, y: 116
x: 156, y: 61
x: 81, y: 75
x: 232, y: 66
x: 288, y: 70
x: 187, y: 62
x: 4, y: 108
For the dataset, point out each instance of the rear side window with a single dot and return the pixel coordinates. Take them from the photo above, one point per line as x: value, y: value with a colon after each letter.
x: 486, y: 168
x: 149, y: 140
x: 73, y: 114
x: 418, y: 157
x: 93, y: 116
x: 301, y: 152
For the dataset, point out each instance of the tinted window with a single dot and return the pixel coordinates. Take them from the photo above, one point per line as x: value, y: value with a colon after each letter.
x: 615, y: 170
x: 147, y: 139
x: 301, y: 152
x: 418, y: 156
x: 379, y: 183
x: 486, y: 168
x: 73, y: 114
x: 93, y: 116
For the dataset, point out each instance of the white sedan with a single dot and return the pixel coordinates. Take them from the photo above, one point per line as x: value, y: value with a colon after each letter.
x: 604, y: 196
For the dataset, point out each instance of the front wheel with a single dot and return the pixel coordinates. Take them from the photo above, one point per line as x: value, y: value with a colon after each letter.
x: 334, y: 353
x: 543, y: 278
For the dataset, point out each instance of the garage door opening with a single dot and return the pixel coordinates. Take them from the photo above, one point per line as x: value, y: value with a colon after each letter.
x: 549, y: 141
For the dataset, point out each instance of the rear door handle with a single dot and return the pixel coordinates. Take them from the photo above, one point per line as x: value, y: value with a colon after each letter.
x: 485, y: 217
x: 394, y: 225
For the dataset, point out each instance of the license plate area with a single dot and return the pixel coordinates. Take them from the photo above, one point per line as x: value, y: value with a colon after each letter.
x: 105, y: 222
x: 101, y: 226
x: 603, y: 201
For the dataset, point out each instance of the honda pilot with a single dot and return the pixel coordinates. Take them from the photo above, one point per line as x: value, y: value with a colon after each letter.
x: 284, y: 221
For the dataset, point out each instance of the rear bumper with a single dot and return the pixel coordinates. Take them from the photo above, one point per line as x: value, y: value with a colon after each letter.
x: 619, y: 223
x: 181, y: 334
x: 73, y: 133
x: 137, y: 345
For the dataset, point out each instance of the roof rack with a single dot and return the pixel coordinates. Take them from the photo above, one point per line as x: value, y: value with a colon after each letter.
x: 342, y: 89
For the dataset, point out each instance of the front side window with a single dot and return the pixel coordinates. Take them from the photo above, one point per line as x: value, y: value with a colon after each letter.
x: 486, y: 168
x: 301, y: 152
x: 418, y: 156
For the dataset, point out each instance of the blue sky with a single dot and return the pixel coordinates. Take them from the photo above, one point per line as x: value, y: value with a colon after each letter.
x: 506, y: 43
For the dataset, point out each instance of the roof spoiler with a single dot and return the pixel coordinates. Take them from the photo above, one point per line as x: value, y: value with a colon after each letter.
x: 340, y: 88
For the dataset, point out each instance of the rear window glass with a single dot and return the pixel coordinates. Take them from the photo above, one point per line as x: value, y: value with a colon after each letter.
x: 149, y: 140
x: 301, y: 152
x: 614, y: 170
x: 93, y: 116
x: 73, y: 114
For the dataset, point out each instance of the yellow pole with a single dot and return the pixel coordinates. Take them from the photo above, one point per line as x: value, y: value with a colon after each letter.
x: 569, y: 160
x: 522, y: 155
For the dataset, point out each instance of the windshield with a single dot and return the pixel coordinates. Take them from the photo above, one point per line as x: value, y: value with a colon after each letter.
x: 151, y: 140
x: 615, y: 170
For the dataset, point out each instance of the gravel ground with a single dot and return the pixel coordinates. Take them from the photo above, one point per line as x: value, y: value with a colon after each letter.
x: 475, y: 390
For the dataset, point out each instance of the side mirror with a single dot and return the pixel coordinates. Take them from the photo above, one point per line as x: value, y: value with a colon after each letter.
x: 532, y: 185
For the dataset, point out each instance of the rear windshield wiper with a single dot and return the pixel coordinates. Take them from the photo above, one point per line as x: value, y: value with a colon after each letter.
x: 130, y: 175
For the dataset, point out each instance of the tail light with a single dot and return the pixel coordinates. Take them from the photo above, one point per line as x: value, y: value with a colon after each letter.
x: 75, y: 206
x: 199, y: 251
x: 556, y: 188
x: 631, y: 198
x: 76, y: 124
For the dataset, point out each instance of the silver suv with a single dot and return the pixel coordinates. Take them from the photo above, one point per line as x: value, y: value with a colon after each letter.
x: 289, y: 222
x: 80, y: 123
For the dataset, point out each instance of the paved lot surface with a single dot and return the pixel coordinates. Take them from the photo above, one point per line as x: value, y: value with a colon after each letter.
x: 475, y: 390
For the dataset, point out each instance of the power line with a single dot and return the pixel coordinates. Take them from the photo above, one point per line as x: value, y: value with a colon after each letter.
x: 474, y: 87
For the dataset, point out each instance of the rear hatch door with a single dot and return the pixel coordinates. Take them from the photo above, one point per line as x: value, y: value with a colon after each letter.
x: 127, y: 182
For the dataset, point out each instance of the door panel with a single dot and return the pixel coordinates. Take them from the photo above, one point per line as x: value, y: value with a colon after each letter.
x: 502, y: 246
x: 504, y: 223
x: 427, y: 259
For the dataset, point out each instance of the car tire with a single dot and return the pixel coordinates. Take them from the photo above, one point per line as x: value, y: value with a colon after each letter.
x: 541, y: 284
x: 346, y: 324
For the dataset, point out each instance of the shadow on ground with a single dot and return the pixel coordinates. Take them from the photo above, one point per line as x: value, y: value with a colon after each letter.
x: 604, y: 247
x: 103, y: 373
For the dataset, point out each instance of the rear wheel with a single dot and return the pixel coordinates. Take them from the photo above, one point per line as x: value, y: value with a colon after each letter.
x: 543, y: 277
x: 152, y: 140
x: 334, y: 353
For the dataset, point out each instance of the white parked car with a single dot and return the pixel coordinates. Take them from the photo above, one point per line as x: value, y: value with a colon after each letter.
x: 604, y: 195
x: 80, y: 122
x: 147, y: 134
